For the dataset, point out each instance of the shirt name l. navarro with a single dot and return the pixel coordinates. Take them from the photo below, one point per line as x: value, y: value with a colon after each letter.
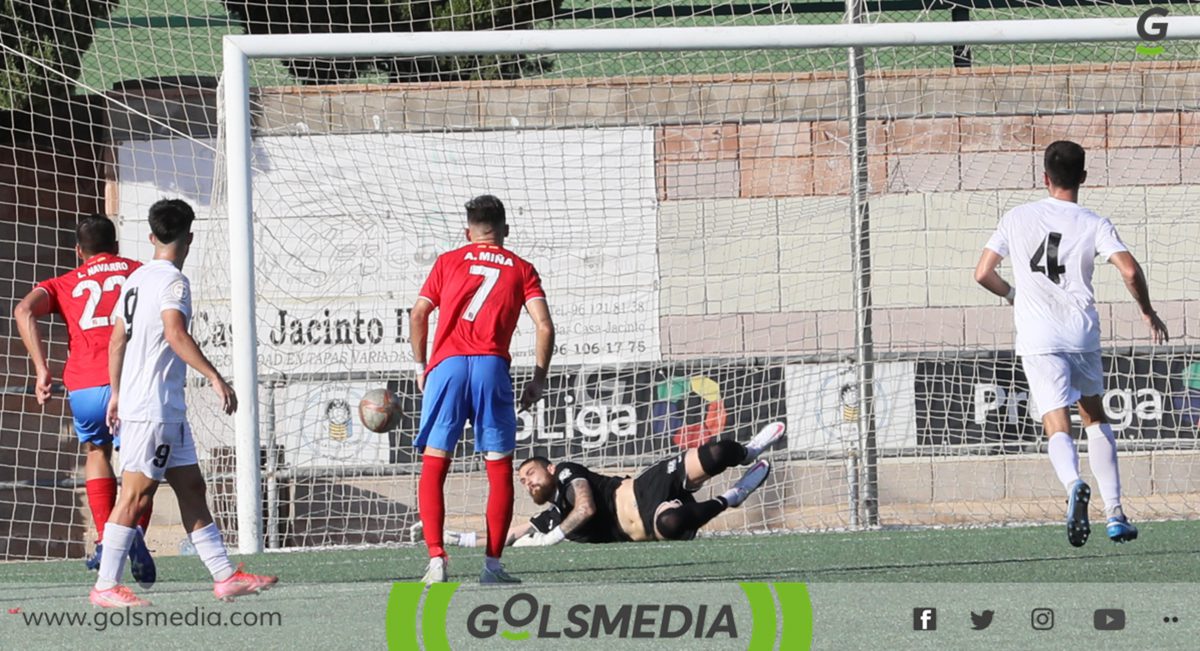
x: 489, y: 256
x: 103, y: 268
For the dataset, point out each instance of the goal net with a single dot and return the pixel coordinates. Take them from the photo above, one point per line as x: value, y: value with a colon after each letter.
x: 709, y: 260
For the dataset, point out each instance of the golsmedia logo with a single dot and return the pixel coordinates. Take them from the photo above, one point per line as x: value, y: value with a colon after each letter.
x: 1152, y: 31
x: 646, y: 621
x: 735, y: 616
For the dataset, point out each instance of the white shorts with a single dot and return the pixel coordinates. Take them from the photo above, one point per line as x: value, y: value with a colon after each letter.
x: 1058, y: 380
x: 152, y: 448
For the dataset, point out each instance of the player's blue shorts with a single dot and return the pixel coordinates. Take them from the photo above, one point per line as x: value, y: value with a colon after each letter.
x: 474, y: 387
x: 90, y: 406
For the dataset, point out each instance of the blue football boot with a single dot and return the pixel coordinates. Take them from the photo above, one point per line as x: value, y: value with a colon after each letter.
x: 1120, y: 530
x: 141, y: 564
x: 93, y: 562
x: 1078, y: 528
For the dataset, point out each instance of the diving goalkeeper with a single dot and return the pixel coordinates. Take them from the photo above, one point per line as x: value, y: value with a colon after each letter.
x: 657, y: 504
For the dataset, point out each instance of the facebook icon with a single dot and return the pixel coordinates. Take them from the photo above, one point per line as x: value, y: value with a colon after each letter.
x: 924, y: 619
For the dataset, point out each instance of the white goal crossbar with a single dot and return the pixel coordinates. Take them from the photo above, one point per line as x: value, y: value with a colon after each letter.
x: 238, y: 50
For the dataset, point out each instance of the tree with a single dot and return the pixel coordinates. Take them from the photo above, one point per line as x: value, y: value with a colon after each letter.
x: 44, y: 42
x: 353, y: 16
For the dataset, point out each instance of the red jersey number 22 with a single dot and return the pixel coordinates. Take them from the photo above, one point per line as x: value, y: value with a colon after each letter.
x: 490, y: 276
x: 88, y: 319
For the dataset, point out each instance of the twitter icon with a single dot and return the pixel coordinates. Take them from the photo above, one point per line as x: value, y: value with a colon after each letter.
x: 982, y: 620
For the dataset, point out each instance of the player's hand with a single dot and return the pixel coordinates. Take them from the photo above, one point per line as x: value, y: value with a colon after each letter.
x: 532, y: 393
x: 421, y: 380
x: 42, y: 388
x: 530, y: 540
x: 226, y: 394
x: 110, y: 416
x: 1158, y: 329
x: 539, y: 539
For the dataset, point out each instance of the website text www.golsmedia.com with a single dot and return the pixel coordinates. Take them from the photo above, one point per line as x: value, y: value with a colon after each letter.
x: 133, y: 618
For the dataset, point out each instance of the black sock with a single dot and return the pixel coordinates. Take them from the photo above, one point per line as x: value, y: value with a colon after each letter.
x: 716, y: 456
x: 681, y: 522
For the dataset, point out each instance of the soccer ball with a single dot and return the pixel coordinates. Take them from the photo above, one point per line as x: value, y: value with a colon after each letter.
x: 379, y: 411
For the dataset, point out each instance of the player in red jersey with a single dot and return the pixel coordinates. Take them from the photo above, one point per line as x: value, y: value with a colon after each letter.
x: 479, y: 291
x: 85, y: 299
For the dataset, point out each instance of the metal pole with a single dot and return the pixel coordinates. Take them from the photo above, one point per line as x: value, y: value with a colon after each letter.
x: 690, y: 39
x: 241, y: 276
x: 272, y: 469
x: 860, y: 216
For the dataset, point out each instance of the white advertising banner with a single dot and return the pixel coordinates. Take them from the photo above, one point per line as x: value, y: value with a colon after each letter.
x: 348, y: 226
x: 823, y: 406
x: 320, y: 426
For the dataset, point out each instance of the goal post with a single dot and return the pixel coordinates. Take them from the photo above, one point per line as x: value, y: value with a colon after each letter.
x: 239, y: 207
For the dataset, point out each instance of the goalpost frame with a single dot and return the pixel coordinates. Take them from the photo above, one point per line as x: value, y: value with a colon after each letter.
x: 239, y: 49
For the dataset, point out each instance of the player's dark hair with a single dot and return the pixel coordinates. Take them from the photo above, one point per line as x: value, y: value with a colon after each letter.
x: 1065, y: 164
x: 171, y: 219
x: 538, y: 459
x: 96, y: 233
x: 485, y: 210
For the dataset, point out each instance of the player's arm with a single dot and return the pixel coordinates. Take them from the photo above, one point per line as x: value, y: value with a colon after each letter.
x: 986, y: 275
x: 418, y: 321
x: 583, y: 507
x: 543, y: 351
x: 116, y: 357
x: 36, y: 303
x: 180, y: 340
x: 517, y: 532
x: 1135, y: 282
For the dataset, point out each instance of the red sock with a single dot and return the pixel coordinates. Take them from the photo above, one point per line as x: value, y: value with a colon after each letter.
x: 102, y: 496
x: 499, y: 504
x: 144, y: 522
x: 431, y: 502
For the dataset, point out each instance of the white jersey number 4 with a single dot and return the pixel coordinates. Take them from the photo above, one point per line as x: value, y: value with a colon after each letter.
x: 490, y: 276
x: 1045, y: 259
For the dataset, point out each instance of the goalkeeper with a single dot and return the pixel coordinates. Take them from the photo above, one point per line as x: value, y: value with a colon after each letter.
x: 585, y: 506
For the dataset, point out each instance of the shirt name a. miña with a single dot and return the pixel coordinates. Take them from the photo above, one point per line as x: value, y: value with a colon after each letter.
x: 1052, y: 245
x: 479, y: 290
x: 152, y: 375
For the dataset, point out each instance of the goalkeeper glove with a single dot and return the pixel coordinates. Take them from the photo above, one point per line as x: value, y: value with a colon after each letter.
x: 539, y: 539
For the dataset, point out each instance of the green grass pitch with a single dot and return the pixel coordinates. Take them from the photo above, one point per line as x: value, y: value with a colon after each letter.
x: 337, y: 598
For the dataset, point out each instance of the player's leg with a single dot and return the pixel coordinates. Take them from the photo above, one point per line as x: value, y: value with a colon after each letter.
x: 1049, y: 379
x: 88, y: 407
x: 714, y: 457
x: 1088, y: 377
x: 140, y: 474
x: 679, y: 519
x: 101, y: 485
x: 494, y: 419
x: 187, y: 482
x: 443, y: 414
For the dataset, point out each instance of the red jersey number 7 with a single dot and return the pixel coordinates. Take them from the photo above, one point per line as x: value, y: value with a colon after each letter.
x: 490, y: 276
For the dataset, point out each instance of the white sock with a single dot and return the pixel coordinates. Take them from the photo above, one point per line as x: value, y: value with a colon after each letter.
x: 117, y: 540
x: 1065, y: 458
x: 1102, y: 456
x: 211, y: 549
x: 491, y: 564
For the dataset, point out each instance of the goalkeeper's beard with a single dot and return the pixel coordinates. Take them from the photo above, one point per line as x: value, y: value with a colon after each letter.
x: 540, y: 494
